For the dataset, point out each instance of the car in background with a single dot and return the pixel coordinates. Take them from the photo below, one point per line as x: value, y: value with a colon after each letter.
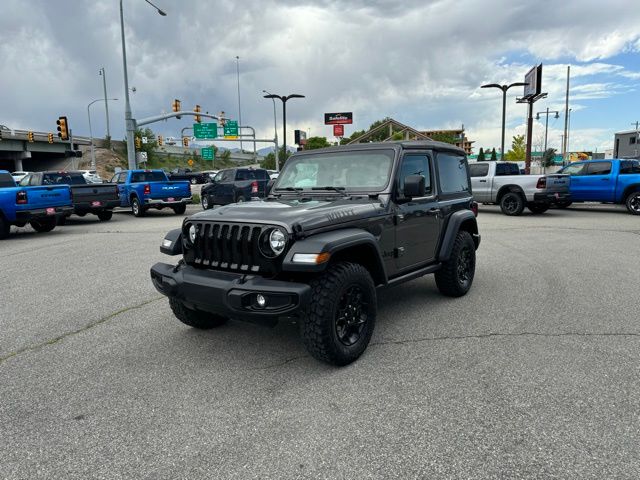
x: 234, y: 185
x: 273, y: 174
x: 187, y: 174
x: 91, y: 176
x: 17, y: 176
x: 211, y: 174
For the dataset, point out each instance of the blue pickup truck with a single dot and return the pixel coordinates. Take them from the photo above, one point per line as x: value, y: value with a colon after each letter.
x: 145, y: 189
x: 606, y: 181
x: 41, y: 207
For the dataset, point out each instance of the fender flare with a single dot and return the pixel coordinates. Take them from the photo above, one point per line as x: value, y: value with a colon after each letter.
x: 451, y: 230
x: 332, y: 242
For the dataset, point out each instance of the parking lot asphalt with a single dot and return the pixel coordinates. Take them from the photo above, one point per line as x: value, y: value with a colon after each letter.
x: 534, y: 374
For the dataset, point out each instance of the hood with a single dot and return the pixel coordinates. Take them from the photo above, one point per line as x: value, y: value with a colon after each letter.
x: 308, y: 214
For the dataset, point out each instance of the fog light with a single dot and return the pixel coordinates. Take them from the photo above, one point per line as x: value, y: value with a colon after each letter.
x: 261, y: 301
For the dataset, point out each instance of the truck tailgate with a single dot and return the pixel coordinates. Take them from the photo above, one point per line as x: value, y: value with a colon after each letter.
x: 96, y: 192
x: 46, y: 196
x: 177, y: 189
x: 558, y: 182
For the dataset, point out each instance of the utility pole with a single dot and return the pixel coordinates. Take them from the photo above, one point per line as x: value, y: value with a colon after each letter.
x: 106, y: 104
x: 566, y: 120
x: 636, y: 144
x: 239, y: 109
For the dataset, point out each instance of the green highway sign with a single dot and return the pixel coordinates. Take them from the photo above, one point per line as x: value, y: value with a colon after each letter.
x: 231, y: 129
x: 205, y: 130
x: 207, y: 153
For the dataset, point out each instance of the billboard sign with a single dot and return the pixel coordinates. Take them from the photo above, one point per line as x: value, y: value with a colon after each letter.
x: 533, y: 79
x: 338, y: 131
x: 344, y: 118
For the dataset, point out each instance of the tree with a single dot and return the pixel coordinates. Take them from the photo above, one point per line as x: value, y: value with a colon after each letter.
x: 518, y: 150
x: 316, y: 142
x: 494, y: 157
x: 269, y: 161
x: 445, y: 137
x: 151, y: 142
x: 548, y: 157
x: 481, y: 155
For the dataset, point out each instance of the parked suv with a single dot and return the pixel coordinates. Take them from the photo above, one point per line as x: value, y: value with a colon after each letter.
x: 338, y: 224
x: 234, y: 185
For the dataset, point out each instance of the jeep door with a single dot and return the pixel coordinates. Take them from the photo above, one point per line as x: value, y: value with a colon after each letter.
x: 417, y: 219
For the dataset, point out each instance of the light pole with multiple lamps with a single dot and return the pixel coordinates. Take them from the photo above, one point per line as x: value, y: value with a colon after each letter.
x: 93, y: 153
x: 128, y: 117
x: 283, y: 99
x: 504, y: 89
x: 546, y: 123
x: 275, y: 131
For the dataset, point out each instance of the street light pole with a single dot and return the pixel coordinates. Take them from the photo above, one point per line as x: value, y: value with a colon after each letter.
x: 283, y: 99
x: 128, y: 117
x: 504, y: 89
x: 275, y: 131
x: 102, y: 73
x: 239, y: 108
x: 93, y: 153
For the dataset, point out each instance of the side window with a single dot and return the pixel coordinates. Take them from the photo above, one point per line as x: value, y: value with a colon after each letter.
x: 575, y: 169
x: 35, y: 179
x: 415, y: 164
x: 599, y: 168
x: 629, y: 167
x: 478, y: 169
x: 452, y: 170
x: 25, y: 181
x: 507, y: 169
x: 219, y: 176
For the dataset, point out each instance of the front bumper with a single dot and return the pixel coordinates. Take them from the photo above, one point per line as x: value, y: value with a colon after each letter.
x: 552, y: 197
x: 230, y: 294
x: 28, y: 215
x: 163, y: 202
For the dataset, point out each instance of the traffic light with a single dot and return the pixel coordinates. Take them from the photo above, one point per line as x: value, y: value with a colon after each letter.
x: 175, y: 106
x: 160, y: 140
x: 50, y: 137
x: 138, y: 142
x: 221, y: 120
x: 30, y: 136
x: 185, y: 141
x: 197, y: 110
x: 63, y: 128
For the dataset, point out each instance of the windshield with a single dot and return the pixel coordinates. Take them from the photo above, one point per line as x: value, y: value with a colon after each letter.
x: 154, y: 176
x: 361, y: 171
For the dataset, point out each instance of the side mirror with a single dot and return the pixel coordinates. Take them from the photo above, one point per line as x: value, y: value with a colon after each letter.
x: 269, y: 186
x: 414, y: 186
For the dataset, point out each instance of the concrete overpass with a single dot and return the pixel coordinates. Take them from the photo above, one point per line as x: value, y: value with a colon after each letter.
x: 17, y: 153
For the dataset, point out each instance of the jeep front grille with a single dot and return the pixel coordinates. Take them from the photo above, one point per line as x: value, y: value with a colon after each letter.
x: 229, y: 246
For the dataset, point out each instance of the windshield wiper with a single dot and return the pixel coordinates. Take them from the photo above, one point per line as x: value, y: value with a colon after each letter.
x: 297, y: 190
x: 335, y: 189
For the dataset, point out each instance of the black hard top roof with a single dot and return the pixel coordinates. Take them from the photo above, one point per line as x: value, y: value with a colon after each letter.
x: 401, y: 144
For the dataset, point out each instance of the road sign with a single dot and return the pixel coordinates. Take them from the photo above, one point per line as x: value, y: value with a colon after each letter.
x: 338, y: 130
x: 205, y: 130
x: 145, y: 140
x: 231, y: 129
x: 190, y: 162
x: 344, y: 118
x: 142, y: 157
x: 207, y: 153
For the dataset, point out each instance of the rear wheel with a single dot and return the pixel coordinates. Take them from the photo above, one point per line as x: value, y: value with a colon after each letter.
x: 180, y: 209
x: 43, y: 225
x: 136, y: 208
x: 105, y: 215
x: 205, y: 202
x: 455, y: 277
x: 512, y: 204
x: 633, y: 203
x: 5, y: 228
x: 538, y: 207
x: 193, y: 180
x: 195, y: 318
x: 341, y: 315
x: 239, y: 198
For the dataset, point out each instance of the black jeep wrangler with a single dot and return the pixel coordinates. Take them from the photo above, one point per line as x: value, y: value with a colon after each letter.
x: 337, y: 224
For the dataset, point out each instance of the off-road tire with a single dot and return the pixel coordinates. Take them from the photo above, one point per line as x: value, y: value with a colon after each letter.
x: 512, y: 204
x: 105, y: 215
x: 136, y: 208
x: 450, y: 279
x: 319, y: 326
x: 206, y: 205
x: 195, y: 318
x: 537, y: 208
x: 633, y: 202
x: 5, y: 228
x: 239, y: 198
x: 43, y: 225
x: 180, y: 209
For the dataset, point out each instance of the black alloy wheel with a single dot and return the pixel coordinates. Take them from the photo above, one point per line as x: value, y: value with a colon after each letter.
x: 512, y: 204
x: 633, y: 203
x: 351, y: 316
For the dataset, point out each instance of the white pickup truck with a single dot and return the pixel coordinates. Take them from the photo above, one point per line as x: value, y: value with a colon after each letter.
x: 501, y: 183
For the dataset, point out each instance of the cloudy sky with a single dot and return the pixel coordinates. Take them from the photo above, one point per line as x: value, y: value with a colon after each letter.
x: 420, y: 62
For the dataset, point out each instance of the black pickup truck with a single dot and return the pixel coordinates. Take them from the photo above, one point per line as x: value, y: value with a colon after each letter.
x: 338, y: 224
x: 235, y: 185
x: 97, y: 198
x: 189, y: 175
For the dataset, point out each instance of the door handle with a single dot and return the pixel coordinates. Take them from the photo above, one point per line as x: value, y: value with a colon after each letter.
x: 482, y: 181
x: 433, y: 211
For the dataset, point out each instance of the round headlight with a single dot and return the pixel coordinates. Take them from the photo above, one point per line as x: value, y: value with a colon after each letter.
x: 277, y: 241
x: 192, y: 233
